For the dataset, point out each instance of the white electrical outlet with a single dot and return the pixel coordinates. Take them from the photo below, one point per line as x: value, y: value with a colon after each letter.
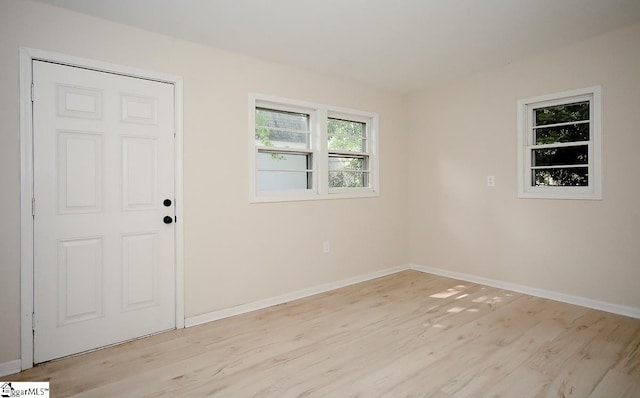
x: 491, y: 181
x: 326, y: 247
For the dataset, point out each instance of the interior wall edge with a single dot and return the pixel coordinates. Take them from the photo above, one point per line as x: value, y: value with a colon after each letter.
x: 284, y: 298
x: 614, y: 308
x: 327, y: 287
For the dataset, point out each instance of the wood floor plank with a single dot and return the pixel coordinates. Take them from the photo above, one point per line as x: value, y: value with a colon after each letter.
x: 583, y: 371
x: 474, y: 346
x: 473, y: 380
x: 617, y: 384
x: 405, y: 335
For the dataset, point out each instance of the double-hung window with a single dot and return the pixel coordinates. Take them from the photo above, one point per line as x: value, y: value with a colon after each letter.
x: 302, y: 151
x: 284, y: 154
x: 349, y: 154
x: 560, y: 145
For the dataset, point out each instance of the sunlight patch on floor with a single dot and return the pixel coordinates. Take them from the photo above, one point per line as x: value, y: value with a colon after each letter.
x: 480, y: 299
x: 449, y: 292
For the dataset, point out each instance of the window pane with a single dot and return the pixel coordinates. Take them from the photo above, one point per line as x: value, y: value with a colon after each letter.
x: 574, y: 112
x: 347, y: 172
x: 282, y: 129
x: 281, y: 181
x: 346, y: 135
x: 574, y: 176
x: 284, y: 171
x: 281, y: 138
x: 283, y: 161
x: 560, y: 156
x: 570, y: 133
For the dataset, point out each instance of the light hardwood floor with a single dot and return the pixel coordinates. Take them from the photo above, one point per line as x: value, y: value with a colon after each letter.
x: 406, y: 335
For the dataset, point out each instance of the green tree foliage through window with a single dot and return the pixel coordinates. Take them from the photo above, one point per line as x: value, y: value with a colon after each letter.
x: 348, y: 164
x: 562, y: 113
x: 281, y: 129
x: 561, y: 124
x: 346, y: 135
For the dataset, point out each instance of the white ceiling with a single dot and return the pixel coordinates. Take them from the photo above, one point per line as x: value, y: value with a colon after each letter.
x: 402, y: 45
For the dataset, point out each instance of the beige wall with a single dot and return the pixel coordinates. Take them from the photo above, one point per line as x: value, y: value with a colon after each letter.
x: 235, y: 252
x: 466, y: 131
x: 437, y: 148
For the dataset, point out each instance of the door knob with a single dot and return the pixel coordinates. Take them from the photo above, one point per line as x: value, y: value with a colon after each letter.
x: 167, y: 202
x: 167, y: 219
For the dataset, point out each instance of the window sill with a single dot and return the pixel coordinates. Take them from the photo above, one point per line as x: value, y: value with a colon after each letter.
x: 560, y: 195
x: 297, y: 197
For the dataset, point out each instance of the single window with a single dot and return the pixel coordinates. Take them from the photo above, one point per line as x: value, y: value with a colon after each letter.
x: 348, y: 153
x: 284, y: 155
x: 305, y: 151
x: 559, y: 145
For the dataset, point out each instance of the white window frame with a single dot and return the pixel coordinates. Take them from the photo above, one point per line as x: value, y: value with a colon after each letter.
x: 526, y: 109
x: 319, y: 151
x: 366, y: 154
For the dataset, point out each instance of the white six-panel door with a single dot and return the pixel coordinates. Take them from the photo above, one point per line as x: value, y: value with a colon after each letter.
x: 104, y: 254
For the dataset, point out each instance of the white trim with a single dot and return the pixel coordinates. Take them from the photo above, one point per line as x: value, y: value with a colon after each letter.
x: 269, y: 302
x: 179, y: 199
x: 26, y: 220
x: 591, y: 192
x: 532, y: 291
x: 318, y: 149
x: 9, y: 368
x: 633, y: 312
x: 297, y: 196
x: 27, y: 55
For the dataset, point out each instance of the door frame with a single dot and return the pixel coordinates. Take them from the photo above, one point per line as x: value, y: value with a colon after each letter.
x: 27, y: 56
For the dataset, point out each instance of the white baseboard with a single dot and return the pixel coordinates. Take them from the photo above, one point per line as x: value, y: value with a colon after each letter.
x: 269, y: 302
x: 14, y: 366
x: 532, y: 291
x: 9, y: 368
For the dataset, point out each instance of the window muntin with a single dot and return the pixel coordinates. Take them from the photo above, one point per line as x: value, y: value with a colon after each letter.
x: 560, y: 145
x: 306, y: 151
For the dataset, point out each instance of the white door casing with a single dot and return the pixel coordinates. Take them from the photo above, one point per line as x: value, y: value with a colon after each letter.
x: 104, y: 262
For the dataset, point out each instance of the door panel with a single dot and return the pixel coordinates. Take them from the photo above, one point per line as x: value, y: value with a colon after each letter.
x: 139, y: 173
x: 80, y: 171
x: 104, y: 260
x: 79, y: 102
x: 139, y: 271
x: 80, y: 281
